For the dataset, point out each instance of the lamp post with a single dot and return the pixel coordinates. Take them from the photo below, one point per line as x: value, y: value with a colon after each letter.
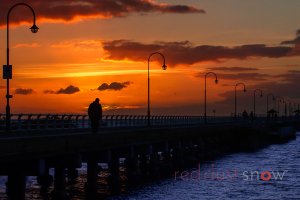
x: 7, y: 69
x: 287, y: 107
x: 270, y: 94
x: 279, y: 100
x: 164, y: 67
x: 235, y: 99
x: 254, y: 94
x: 216, y: 81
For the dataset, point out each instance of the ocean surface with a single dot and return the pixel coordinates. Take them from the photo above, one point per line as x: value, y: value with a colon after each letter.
x: 270, y: 173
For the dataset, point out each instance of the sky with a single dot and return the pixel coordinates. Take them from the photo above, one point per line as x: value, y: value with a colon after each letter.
x: 90, y: 48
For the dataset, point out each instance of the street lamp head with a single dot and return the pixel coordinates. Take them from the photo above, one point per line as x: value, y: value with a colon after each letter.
x: 34, y: 28
x: 216, y: 81
x: 164, y: 67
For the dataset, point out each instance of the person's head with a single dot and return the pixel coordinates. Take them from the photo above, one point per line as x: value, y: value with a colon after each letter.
x: 97, y: 100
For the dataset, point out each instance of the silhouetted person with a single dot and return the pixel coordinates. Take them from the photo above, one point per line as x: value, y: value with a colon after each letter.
x: 245, y: 114
x: 95, y: 114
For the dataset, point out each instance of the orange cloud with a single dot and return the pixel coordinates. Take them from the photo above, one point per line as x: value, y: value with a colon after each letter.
x: 26, y: 45
x: 232, y: 69
x: 82, y: 45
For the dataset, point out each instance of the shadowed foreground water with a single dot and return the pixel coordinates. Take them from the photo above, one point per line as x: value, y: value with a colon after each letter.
x: 235, y: 176
x: 228, y: 180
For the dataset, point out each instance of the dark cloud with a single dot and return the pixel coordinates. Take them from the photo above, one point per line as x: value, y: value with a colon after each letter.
x: 294, y: 71
x: 24, y: 91
x: 185, y: 53
x: 289, y: 77
x: 232, y: 69
x: 240, y: 76
x: 66, y: 10
x: 113, y: 86
x: 294, y: 41
x: 246, y: 76
x: 68, y: 90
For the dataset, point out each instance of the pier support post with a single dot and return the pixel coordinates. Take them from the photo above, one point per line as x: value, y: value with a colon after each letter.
x: 72, y: 174
x: 15, y: 186
x: 44, y: 179
x: 59, y: 183
x: 114, y: 178
x: 178, y: 156
x: 75, y: 162
x: 131, y: 166
x: 92, y: 174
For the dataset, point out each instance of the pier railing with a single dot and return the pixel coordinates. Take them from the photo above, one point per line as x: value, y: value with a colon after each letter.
x: 79, y: 121
x: 21, y: 122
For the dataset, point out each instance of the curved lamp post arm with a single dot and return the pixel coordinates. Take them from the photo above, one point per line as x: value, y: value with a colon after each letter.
x: 34, y: 28
x: 212, y: 73
x: 236, y: 85
x: 163, y: 57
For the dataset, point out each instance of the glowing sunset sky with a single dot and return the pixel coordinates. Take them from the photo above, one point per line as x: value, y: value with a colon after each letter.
x: 99, y: 48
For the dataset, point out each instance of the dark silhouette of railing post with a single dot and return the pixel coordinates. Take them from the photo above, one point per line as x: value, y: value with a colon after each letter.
x: 235, y: 99
x: 8, y: 69
x: 216, y: 81
x: 164, y: 67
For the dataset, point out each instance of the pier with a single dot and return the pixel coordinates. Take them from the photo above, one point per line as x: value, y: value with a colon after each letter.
x: 64, y: 142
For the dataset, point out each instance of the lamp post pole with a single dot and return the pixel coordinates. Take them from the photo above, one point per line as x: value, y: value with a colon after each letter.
x: 7, y: 69
x: 254, y: 94
x: 270, y: 94
x: 216, y: 81
x: 279, y: 100
x: 287, y: 104
x: 235, y: 98
x: 164, y: 67
x: 285, y: 109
